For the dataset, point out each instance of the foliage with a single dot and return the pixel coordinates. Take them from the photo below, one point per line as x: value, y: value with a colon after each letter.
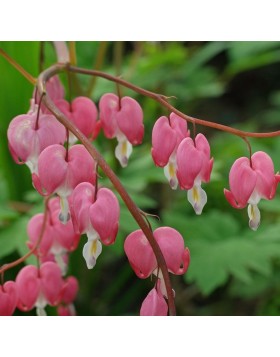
x: 235, y: 83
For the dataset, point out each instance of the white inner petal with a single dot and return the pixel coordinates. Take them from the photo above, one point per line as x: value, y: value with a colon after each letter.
x: 123, y: 150
x: 197, y: 198
x: 254, y: 198
x: 32, y: 161
x: 64, y: 214
x: 61, y: 263
x: 254, y: 216
x: 40, y: 311
x: 170, y: 172
x: 91, y: 251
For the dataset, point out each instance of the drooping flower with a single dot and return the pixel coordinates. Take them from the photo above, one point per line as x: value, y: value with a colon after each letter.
x: 166, y: 137
x: 154, y: 304
x: 143, y: 261
x: 67, y: 296
x: 59, y: 172
x: 97, y: 215
x: 28, y: 137
x: 58, y: 238
x: 55, y: 91
x: 8, y: 298
x: 39, y: 287
x: 83, y: 113
x: 194, y: 166
x: 250, y: 181
x: 122, y: 118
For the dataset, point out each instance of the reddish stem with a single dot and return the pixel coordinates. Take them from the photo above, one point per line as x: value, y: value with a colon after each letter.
x: 163, y: 100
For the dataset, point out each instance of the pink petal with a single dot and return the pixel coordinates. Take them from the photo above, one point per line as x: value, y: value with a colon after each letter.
x: 52, y: 167
x: 274, y: 186
x: 104, y: 216
x: 140, y: 254
x: 67, y: 310
x: 8, y: 298
x: 163, y: 141
x: 28, y: 286
x: 55, y: 173
x: 171, y: 244
x: 69, y: 290
x: 180, y: 126
x: 27, y: 142
x: 55, y: 90
x: 189, y: 163
x: 21, y: 136
x: 242, y: 181
x: 263, y: 166
x: 203, y: 146
x: 34, y: 229
x: 231, y: 200
x: 84, y: 115
x: 50, y: 131
x: 81, y: 166
x: 83, y: 197
x: 108, y: 107
x: 51, y: 282
x: 63, y: 234
x: 130, y: 120
x: 154, y: 304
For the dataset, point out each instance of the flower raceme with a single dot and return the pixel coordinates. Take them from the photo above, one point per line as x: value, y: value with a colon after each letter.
x: 96, y: 213
x: 166, y: 137
x: 60, y: 171
x: 122, y: 118
x: 143, y: 261
x: 250, y: 181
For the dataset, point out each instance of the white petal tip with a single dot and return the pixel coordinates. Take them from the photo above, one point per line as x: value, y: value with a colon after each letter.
x: 254, y: 217
x: 197, y: 198
x: 40, y: 311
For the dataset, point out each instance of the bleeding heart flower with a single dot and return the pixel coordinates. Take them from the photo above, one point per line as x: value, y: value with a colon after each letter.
x: 122, y: 119
x: 193, y: 167
x: 57, y: 239
x: 28, y: 137
x: 250, y: 181
x: 55, y: 91
x: 154, y: 304
x: 39, y: 287
x: 69, y: 290
x: 97, y: 215
x: 61, y: 173
x: 8, y: 298
x: 143, y: 261
x: 166, y: 137
x: 83, y: 113
x: 34, y: 229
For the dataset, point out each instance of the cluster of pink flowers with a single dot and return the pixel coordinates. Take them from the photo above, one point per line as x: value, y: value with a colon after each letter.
x: 185, y: 160
x: 81, y: 207
x: 143, y: 261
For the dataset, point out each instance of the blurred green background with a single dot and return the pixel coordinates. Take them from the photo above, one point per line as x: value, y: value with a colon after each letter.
x: 233, y: 270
